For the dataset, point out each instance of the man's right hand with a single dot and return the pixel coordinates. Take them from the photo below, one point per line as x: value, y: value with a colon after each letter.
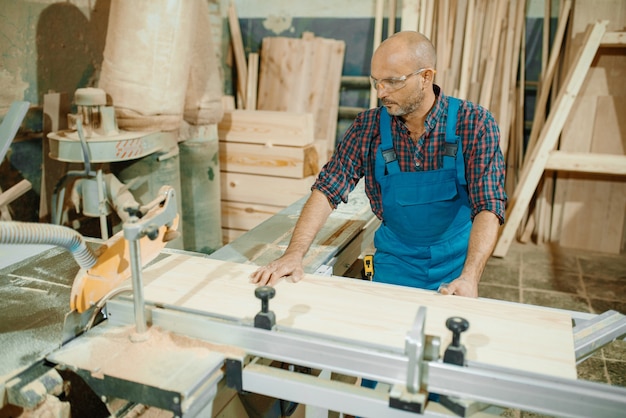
x: 289, y: 266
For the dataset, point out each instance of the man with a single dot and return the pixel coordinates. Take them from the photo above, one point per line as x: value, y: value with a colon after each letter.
x: 434, y: 175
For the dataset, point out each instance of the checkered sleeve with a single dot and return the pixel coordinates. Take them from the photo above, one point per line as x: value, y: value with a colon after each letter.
x: 485, y: 167
x: 342, y: 172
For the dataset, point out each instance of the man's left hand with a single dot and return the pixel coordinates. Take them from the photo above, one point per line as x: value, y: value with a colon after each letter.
x: 461, y: 287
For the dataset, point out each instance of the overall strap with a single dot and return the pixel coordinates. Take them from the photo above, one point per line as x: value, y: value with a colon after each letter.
x: 386, y: 145
x: 454, y: 144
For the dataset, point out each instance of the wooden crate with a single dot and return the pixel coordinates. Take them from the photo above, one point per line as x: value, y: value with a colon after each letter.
x: 268, y: 160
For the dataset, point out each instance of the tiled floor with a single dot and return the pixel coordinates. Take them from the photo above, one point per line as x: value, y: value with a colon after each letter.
x: 568, y: 279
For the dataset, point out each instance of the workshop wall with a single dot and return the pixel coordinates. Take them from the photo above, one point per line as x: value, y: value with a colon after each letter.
x: 52, y: 45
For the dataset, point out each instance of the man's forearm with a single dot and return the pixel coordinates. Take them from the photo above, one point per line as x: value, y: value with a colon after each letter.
x: 482, y: 241
x: 314, y: 214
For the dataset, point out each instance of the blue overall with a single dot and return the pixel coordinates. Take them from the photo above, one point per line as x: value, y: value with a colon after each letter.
x: 422, y: 241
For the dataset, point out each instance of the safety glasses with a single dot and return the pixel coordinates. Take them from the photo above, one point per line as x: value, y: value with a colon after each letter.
x: 394, y: 83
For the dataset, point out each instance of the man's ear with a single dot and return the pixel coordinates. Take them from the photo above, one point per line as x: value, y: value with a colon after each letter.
x: 429, y: 75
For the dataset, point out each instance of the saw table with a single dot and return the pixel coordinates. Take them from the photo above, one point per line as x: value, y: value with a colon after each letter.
x: 208, y: 327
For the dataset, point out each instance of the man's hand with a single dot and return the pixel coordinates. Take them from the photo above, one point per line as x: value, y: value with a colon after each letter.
x: 461, y: 287
x: 289, y: 265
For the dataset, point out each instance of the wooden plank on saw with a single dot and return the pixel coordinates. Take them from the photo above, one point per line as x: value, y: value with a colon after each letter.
x: 533, y: 171
x: 274, y: 160
x: 267, y: 127
x: 502, y: 334
x: 267, y: 190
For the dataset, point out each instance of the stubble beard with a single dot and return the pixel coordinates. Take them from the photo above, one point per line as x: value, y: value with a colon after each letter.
x: 414, y: 102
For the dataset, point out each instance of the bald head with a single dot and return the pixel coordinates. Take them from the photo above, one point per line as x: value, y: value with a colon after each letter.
x: 406, y: 48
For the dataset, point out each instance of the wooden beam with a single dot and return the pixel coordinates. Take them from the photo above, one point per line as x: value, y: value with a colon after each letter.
x: 614, y: 39
x: 533, y: 170
x: 14, y: 192
x: 490, y: 70
x: 583, y: 162
x: 378, y: 38
x: 409, y: 18
x: 547, y: 77
x: 240, y: 56
x: 252, y: 84
x: 391, y: 19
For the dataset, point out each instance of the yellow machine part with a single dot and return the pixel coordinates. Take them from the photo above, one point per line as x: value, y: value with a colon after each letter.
x: 113, y: 267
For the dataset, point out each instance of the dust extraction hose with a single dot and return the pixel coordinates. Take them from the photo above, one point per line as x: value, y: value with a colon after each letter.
x: 12, y: 232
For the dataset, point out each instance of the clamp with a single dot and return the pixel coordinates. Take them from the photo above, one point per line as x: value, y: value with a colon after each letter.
x: 265, y: 319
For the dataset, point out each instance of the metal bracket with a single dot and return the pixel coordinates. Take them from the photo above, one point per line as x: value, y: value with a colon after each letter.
x: 595, y: 333
x: 418, y: 349
x: 162, y: 211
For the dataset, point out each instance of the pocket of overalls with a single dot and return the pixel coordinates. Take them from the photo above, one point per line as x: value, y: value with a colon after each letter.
x: 426, y: 194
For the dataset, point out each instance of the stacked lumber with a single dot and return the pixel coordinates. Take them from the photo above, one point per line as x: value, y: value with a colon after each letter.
x: 478, y: 45
x: 268, y: 160
x: 281, y: 128
x: 572, y: 190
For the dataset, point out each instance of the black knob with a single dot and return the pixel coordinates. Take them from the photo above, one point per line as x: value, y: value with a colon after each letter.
x: 455, y: 353
x: 266, y: 318
x: 457, y: 325
x: 133, y: 210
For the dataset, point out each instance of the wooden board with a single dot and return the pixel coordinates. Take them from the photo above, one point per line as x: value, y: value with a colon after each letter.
x: 501, y: 333
x: 267, y: 127
x: 278, y: 191
x: 280, y: 161
x: 240, y: 55
x: 303, y: 75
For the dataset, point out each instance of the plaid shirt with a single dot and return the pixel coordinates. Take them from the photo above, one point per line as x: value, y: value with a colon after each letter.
x: 355, y: 156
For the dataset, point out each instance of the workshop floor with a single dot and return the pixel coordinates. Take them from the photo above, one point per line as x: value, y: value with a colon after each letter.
x: 556, y: 277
